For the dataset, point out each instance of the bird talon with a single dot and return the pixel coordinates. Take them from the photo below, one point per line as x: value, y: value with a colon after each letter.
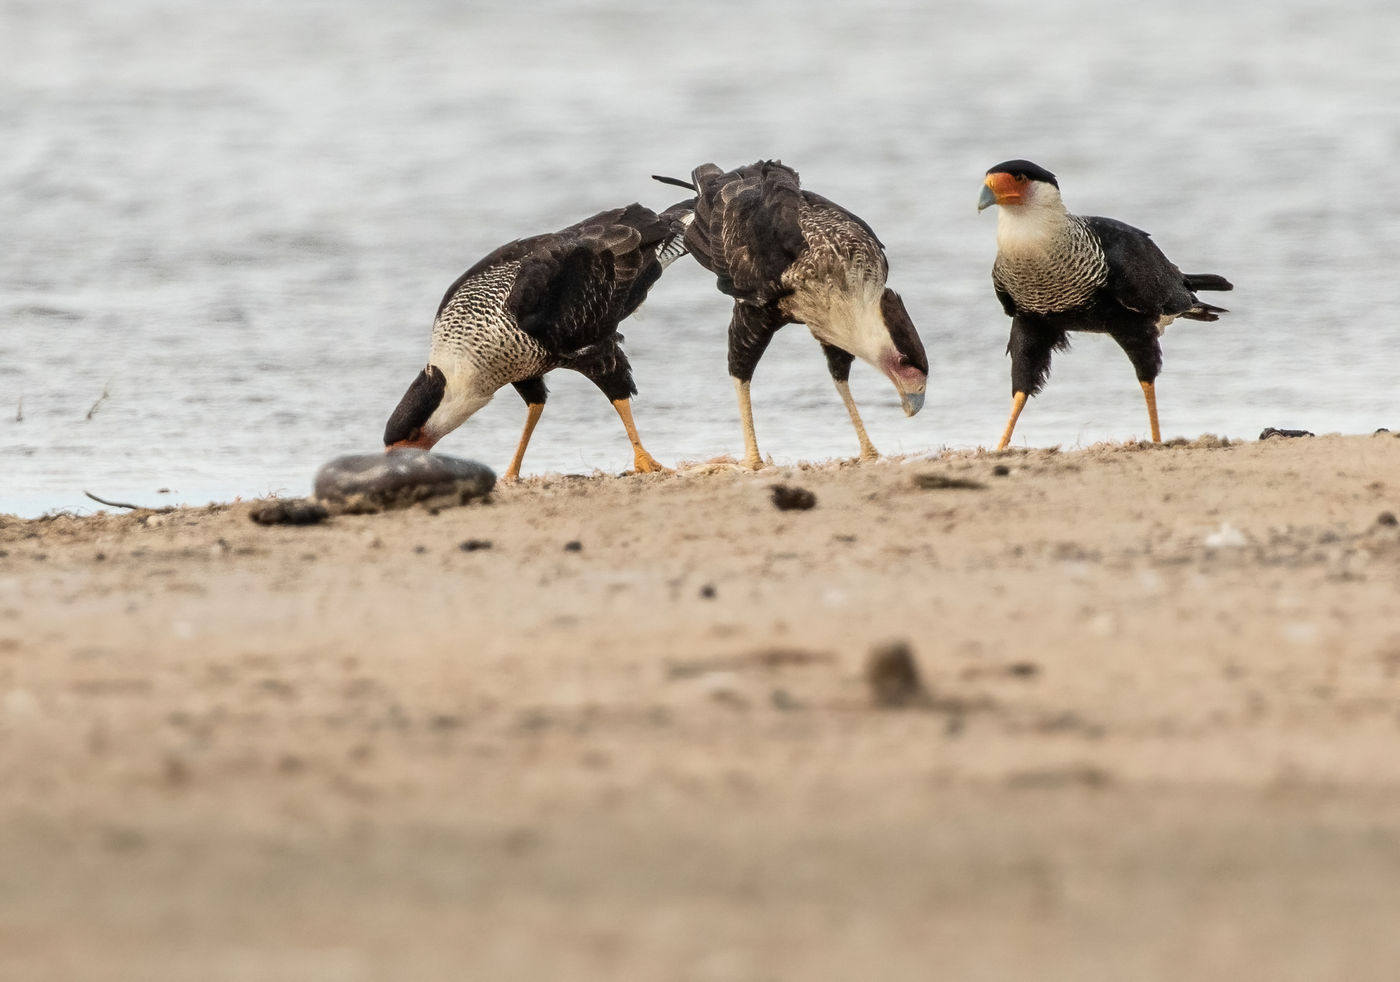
x: 645, y: 463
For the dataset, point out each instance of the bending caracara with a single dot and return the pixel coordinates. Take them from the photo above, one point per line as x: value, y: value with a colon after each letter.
x: 1056, y: 272
x: 549, y: 301
x: 788, y: 256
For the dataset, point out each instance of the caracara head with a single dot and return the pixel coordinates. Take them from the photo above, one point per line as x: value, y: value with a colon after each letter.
x: 1018, y: 183
x: 418, y: 420
x: 904, y: 362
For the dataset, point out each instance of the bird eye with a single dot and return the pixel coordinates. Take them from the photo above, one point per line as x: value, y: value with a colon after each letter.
x: 1020, y: 178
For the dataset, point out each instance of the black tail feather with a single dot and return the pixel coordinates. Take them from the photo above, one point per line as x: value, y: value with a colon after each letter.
x: 673, y: 180
x: 1203, y: 312
x: 1207, y: 281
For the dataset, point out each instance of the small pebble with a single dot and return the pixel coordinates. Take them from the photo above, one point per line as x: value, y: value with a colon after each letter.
x: 573, y: 546
x: 1000, y: 470
x: 893, y: 676
x: 707, y: 591
x: 472, y: 545
x: 1387, y: 518
x: 1271, y: 433
x: 787, y: 497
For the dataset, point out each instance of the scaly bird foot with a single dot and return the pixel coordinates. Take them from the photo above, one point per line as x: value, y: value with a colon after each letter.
x: 645, y: 463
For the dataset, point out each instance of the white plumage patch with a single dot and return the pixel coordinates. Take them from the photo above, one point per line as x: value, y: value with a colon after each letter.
x: 1029, y: 228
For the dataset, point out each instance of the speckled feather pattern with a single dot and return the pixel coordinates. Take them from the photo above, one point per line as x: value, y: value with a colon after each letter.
x: 1062, y: 275
x: 841, y: 257
x: 477, y: 326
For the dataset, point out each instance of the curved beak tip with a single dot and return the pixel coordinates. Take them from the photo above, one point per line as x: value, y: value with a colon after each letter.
x: 912, y: 402
x: 986, y: 199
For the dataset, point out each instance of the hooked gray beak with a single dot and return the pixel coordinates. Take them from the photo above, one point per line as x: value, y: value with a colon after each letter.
x: 912, y: 402
x: 986, y: 199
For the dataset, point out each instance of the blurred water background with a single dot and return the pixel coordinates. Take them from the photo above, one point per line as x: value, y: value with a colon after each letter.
x: 237, y: 220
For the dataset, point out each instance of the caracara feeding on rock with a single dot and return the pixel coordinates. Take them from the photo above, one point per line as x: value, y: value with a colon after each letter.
x: 788, y: 256
x: 549, y: 301
x: 1056, y: 272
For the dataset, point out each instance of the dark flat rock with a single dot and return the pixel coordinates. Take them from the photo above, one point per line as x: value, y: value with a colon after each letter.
x: 359, y: 483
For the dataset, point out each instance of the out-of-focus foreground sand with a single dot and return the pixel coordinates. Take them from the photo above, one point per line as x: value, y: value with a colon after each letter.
x: 1163, y: 738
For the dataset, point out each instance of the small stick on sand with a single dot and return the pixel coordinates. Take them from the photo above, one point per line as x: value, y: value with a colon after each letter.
x: 100, y: 400
x: 123, y: 504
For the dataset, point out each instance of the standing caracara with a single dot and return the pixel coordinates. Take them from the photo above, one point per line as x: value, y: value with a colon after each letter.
x: 1056, y: 272
x: 549, y: 301
x: 788, y: 256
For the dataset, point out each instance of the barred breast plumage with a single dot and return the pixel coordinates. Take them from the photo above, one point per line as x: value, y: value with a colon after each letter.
x: 476, y: 326
x: 1062, y: 275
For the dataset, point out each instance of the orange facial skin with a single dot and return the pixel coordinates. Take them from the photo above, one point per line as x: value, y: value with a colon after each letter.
x: 417, y: 439
x: 1007, y: 188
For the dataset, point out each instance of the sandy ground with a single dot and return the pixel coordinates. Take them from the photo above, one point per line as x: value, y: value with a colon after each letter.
x: 1162, y: 738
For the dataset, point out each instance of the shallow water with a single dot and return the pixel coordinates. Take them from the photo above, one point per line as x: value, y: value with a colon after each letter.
x: 237, y: 220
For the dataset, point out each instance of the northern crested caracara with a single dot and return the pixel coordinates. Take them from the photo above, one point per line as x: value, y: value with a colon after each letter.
x: 549, y: 301
x: 1056, y: 272
x: 789, y: 256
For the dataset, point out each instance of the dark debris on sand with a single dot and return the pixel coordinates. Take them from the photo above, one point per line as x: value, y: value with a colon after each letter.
x: 289, y: 511
x: 1274, y: 433
x: 946, y: 482
x: 893, y: 676
x: 789, y: 497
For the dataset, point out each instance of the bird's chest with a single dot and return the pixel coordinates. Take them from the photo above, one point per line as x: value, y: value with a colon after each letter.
x: 824, y: 285
x: 477, y: 330
x: 1050, y: 275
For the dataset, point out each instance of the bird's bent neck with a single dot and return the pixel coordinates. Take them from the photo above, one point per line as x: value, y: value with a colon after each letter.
x: 852, y: 322
x: 466, y: 393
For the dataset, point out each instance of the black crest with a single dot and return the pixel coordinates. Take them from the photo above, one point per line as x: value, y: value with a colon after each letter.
x: 417, y: 404
x: 1026, y: 169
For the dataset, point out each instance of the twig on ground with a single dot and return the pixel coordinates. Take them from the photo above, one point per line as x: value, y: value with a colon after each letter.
x: 100, y: 400
x: 123, y: 504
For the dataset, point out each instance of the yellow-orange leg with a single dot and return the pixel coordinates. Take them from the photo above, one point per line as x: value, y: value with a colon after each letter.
x: 533, y: 412
x: 1150, y: 395
x: 867, y: 449
x: 642, y: 462
x: 751, y: 458
x: 1018, y: 402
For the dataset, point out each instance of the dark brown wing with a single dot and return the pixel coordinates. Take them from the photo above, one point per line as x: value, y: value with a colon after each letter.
x: 746, y: 229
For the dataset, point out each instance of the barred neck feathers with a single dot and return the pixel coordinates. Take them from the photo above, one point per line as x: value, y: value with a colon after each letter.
x: 1047, y: 259
x: 479, y: 347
